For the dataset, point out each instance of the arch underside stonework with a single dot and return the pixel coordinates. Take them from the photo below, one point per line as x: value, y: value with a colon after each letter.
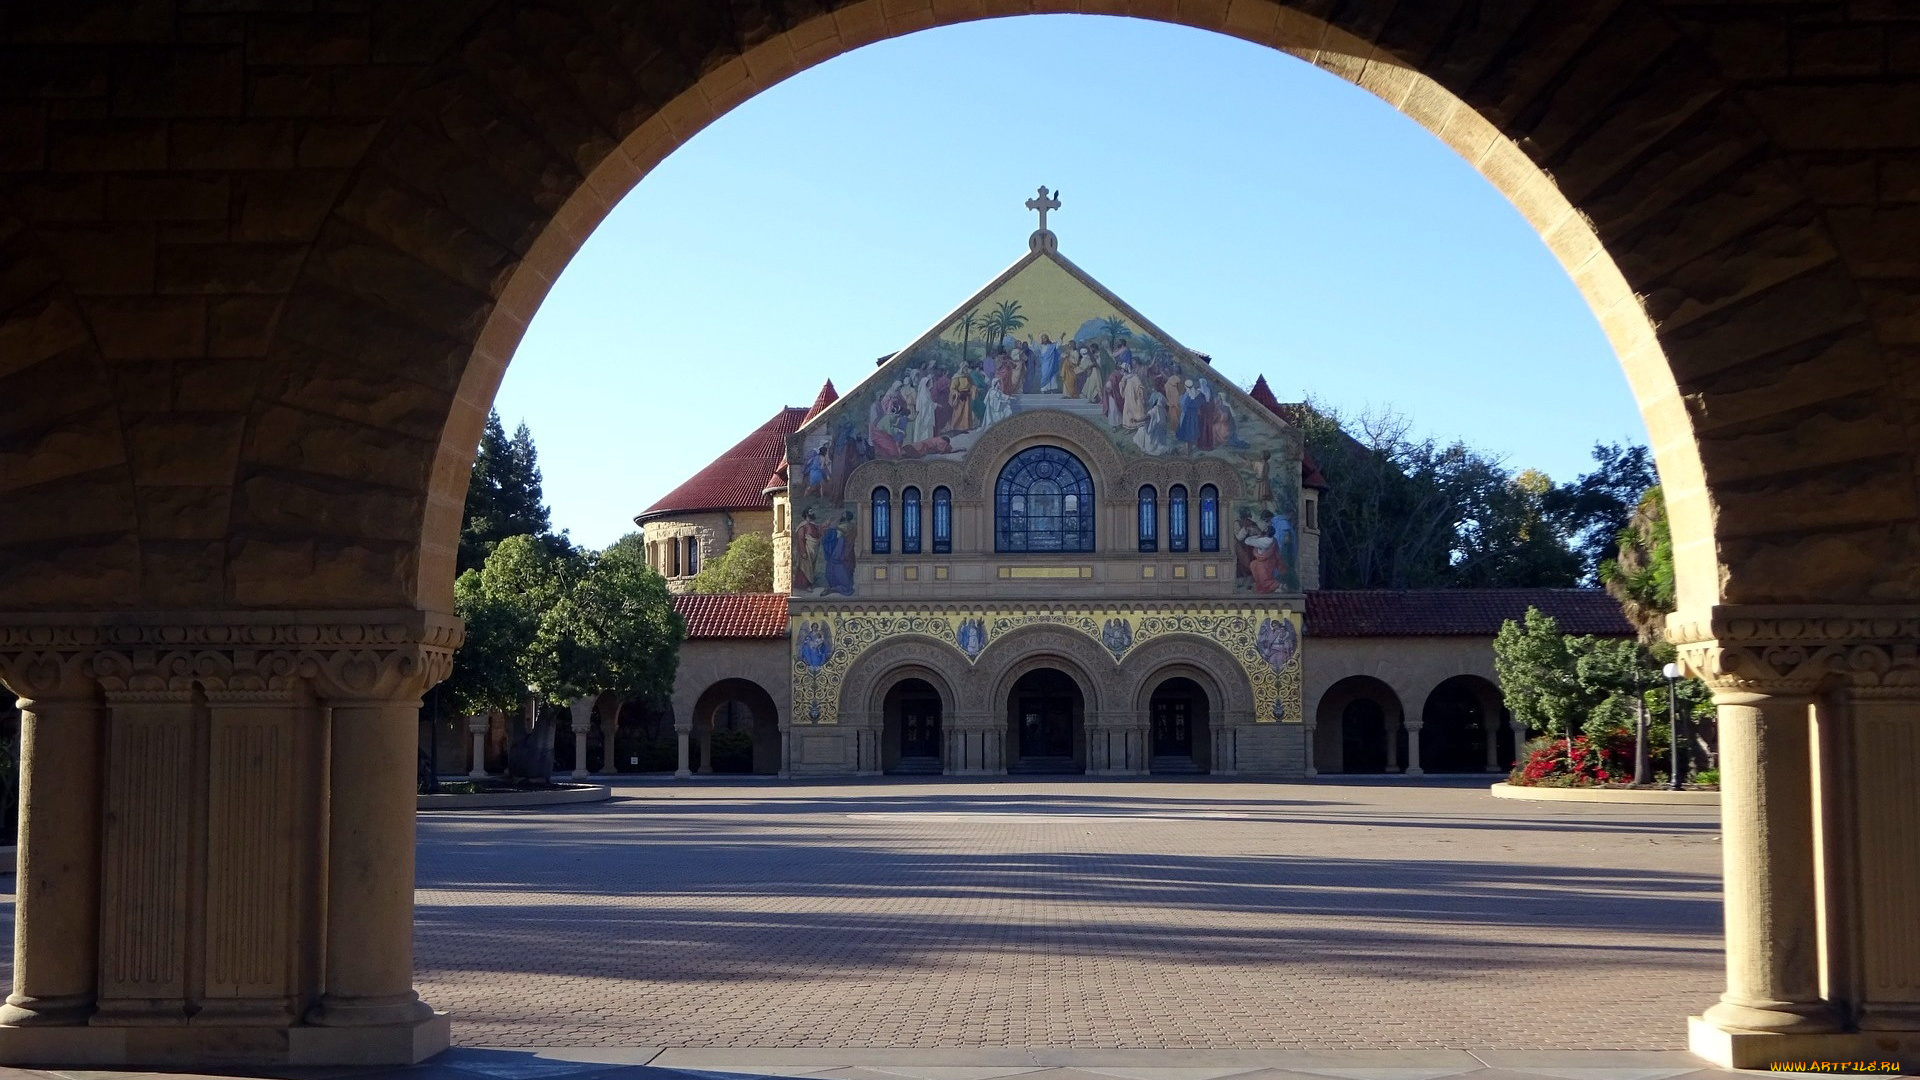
x: 252, y: 325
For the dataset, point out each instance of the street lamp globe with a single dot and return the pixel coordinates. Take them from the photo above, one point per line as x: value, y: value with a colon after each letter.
x: 1671, y: 671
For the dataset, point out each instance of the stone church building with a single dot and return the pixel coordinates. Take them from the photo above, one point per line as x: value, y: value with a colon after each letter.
x: 1046, y: 537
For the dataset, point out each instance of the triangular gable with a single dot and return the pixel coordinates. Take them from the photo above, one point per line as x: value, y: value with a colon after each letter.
x: 1042, y: 336
x: 1007, y: 281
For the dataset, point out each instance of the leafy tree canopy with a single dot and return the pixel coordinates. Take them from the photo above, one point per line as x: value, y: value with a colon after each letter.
x: 1593, y: 510
x: 1641, y: 576
x: 1411, y: 513
x: 746, y: 566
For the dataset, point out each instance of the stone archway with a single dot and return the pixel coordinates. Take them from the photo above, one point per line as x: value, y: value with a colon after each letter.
x: 736, y: 729
x: 1214, y: 673
x: 241, y: 406
x: 1463, y: 728
x: 1357, y: 728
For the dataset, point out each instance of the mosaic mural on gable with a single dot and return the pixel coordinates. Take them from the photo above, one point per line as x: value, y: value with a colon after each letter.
x: 1044, y: 340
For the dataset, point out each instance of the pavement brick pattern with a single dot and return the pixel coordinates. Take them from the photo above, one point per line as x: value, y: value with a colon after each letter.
x: 1073, y: 914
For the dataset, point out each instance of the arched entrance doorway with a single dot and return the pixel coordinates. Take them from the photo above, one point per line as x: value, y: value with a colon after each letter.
x: 1046, y: 723
x: 1357, y: 728
x: 736, y: 729
x: 1461, y: 725
x: 1177, y: 732
x: 910, y: 733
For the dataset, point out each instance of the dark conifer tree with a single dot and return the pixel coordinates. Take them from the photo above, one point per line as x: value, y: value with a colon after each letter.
x: 504, y: 497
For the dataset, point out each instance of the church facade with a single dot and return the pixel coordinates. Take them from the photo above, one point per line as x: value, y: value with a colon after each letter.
x: 1047, y: 537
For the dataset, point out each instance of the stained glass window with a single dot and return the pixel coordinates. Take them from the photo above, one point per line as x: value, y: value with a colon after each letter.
x: 1209, y: 518
x: 910, y: 521
x: 1177, y: 518
x: 1149, y: 518
x: 942, y: 521
x: 1043, y: 501
x: 882, y: 521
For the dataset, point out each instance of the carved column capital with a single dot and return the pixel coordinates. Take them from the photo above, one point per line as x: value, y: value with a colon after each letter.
x: 37, y: 675
x: 1750, y: 652
x: 260, y: 656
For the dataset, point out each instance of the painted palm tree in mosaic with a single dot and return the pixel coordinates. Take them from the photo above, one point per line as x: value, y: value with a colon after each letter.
x: 967, y: 324
x: 1003, y: 321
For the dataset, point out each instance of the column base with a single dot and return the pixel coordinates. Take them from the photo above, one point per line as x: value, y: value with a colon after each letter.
x: 210, y: 1045
x: 1778, y: 1017
x: 1731, y: 1048
x: 22, y: 1011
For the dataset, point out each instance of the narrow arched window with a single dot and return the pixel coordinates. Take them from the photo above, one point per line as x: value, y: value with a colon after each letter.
x: 1149, y: 518
x: 673, y: 549
x: 882, y: 521
x: 693, y: 555
x: 1043, y: 501
x: 910, y: 521
x: 942, y: 521
x: 1209, y: 518
x: 1177, y: 518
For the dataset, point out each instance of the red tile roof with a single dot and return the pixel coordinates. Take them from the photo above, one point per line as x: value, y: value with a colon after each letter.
x: 737, y: 479
x: 733, y: 615
x: 1456, y: 612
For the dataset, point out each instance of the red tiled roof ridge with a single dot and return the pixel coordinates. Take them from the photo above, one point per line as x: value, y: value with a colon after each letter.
x: 733, y: 615
x: 737, y: 479
x: 1457, y: 612
x: 827, y: 396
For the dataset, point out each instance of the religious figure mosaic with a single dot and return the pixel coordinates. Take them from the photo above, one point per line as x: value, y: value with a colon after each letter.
x: 1044, y: 338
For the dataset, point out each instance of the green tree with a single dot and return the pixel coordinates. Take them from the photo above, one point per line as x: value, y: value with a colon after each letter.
x: 746, y: 566
x: 1506, y: 537
x: 504, y: 496
x: 1537, y: 673
x: 1410, y: 513
x: 1595, y: 508
x: 1640, y: 576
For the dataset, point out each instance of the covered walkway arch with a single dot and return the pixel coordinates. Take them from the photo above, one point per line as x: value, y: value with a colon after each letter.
x: 250, y: 342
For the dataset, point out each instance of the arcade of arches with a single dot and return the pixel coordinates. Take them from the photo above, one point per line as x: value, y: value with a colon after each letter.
x: 262, y: 274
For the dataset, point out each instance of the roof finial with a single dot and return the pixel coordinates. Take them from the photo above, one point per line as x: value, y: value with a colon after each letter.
x: 1042, y: 239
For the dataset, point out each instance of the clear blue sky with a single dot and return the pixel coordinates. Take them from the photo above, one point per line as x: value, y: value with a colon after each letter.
x: 1256, y: 208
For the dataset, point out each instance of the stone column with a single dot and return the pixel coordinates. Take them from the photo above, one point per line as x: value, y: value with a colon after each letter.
x: 1310, y: 730
x: 1819, y: 725
x: 56, y: 916
x: 477, y: 725
x: 610, y: 736
x: 680, y: 735
x: 1492, y: 729
x: 581, y: 713
x: 1767, y: 840
x: 1869, y: 779
x: 1393, y: 743
x: 786, y: 749
x: 1519, y: 742
x: 373, y: 702
x: 706, y: 748
x: 1413, y: 747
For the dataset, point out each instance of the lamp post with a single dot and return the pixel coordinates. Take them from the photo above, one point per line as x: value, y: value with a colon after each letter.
x: 1672, y: 672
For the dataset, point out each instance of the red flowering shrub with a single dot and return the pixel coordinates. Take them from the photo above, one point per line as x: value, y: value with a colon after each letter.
x: 1608, y: 759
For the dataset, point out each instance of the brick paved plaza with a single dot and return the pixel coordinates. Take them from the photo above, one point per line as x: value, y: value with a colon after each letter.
x: 1070, y: 914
